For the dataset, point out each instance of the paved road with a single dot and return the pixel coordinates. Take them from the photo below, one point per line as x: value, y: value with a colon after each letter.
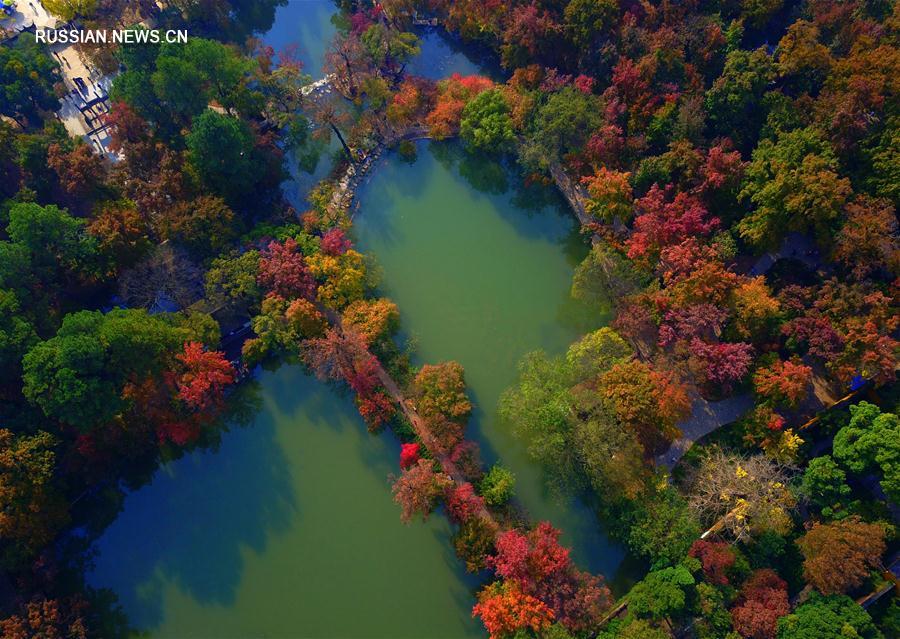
x: 705, y: 418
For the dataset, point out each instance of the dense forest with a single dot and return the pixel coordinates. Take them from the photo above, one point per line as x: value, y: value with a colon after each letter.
x: 735, y: 168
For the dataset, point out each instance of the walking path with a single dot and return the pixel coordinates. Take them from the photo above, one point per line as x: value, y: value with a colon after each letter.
x: 795, y: 246
x: 418, y: 423
x: 705, y: 418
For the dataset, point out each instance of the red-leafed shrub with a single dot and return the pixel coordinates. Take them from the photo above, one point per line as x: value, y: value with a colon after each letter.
x: 335, y: 242
x: 763, y: 600
x: 409, y: 455
x: 463, y: 503
x: 283, y: 270
x: 716, y: 557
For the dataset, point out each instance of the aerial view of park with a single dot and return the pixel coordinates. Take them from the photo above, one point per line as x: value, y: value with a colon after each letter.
x: 449, y: 319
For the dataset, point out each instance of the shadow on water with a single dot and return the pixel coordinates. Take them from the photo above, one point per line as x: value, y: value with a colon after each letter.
x: 274, y: 533
x: 442, y: 55
x: 484, y: 173
x: 481, y: 263
x: 532, y: 210
x: 202, y: 509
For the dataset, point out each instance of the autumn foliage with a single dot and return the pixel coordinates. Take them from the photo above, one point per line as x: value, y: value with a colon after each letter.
x: 649, y: 402
x: 205, y: 376
x: 663, y: 220
x: 783, y: 383
x: 283, y: 270
x: 763, y: 600
x: 505, y: 610
x: 418, y: 488
x: 409, y: 455
x: 453, y: 94
x: 463, y: 503
x: 838, y: 556
x: 716, y: 557
x: 540, y: 567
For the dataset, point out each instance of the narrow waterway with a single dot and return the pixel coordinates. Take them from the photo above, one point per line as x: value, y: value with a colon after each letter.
x: 481, y: 269
x: 288, y: 529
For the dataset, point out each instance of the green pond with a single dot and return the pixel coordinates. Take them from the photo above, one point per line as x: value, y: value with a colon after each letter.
x: 481, y: 268
x: 287, y: 530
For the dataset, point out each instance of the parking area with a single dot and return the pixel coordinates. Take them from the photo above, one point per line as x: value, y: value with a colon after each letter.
x: 87, y: 90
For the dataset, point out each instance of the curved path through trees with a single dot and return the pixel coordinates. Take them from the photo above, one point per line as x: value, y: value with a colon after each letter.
x: 705, y: 416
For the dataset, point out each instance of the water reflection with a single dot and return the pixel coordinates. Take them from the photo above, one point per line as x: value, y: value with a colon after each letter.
x: 483, y: 280
x: 442, y: 56
x: 282, y: 529
x: 305, y: 27
x: 189, y: 526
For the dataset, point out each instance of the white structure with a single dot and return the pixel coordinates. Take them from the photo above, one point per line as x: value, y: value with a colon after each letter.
x: 87, y: 94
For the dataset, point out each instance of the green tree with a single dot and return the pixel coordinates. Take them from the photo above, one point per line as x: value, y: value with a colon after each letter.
x: 596, y: 353
x: 170, y: 84
x: 16, y: 273
x: 281, y: 325
x: 538, y: 407
x: 832, y: 617
x: 55, y: 241
x: 497, y: 485
x: 561, y: 125
x: 189, y: 76
x: 27, y: 76
x: 232, y: 279
x: 204, y: 225
x: 17, y: 335
x: 31, y: 509
x: 69, y: 9
x: 794, y: 185
x: 178, y: 85
x: 605, y: 275
x: 610, y: 456
x: 78, y: 375
x: 871, y: 441
x: 758, y: 12
x: 884, y: 179
x: 733, y: 101
x: 486, y: 124
x: 714, y: 620
x: 662, y: 594
x: 587, y: 21
x: 220, y: 149
x: 661, y: 527
x: 388, y: 47
x: 825, y: 485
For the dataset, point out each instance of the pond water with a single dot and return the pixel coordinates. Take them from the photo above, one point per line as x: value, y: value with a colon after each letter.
x: 441, y: 57
x: 287, y: 530
x: 481, y: 269
x: 306, y: 26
